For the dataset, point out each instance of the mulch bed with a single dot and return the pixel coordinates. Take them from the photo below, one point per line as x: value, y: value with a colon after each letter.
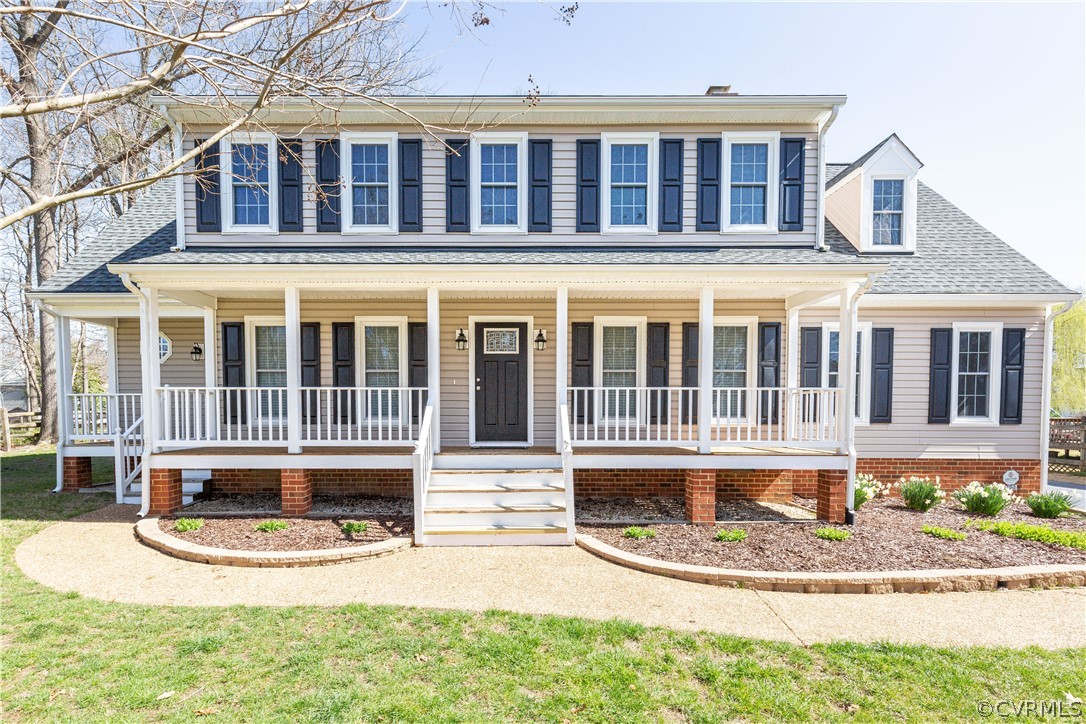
x: 304, y: 534
x: 886, y: 537
x: 673, y: 509
x: 323, y: 503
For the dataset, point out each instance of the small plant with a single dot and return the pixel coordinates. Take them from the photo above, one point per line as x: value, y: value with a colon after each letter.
x: 1049, y: 505
x: 865, y: 488
x: 835, y: 534
x: 186, y: 525
x: 352, y: 527
x: 733, y: 535
x: 983, y: 499
x: 920, y: 493
x: 638, y: 533
x: 270, y: 526
x: 1025, y: 531
x: 944, y: 533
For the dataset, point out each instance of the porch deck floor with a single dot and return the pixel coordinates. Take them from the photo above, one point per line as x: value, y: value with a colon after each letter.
x: 533, y: 450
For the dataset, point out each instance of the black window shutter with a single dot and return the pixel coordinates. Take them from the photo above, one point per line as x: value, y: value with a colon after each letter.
x: 208, y: 196
x: 792, y: 171
x: 810, y: 357
x: 457, y: 196
x: 658, y: 336
x: 328, y: 190
x: 290, y: 185
x: 769, y: 367
x: 539, y: 185
x: 581, y: 367
x: 311, y: 366
x: 671, y: 184
x: 942, y: 348
x: 1014, y: 357
x: 233, y: 370
x: 411, y: 184
x: 417, y: 350
x: 691, y: 349
x: 882, y: 374
x: 588, y: 185
x: 709, y: 182
x: 343, y: 368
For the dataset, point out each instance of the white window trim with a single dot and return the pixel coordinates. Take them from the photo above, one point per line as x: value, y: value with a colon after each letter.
x: 995, y: 369
x: 864, y: 390
x: 598, y: 323
x: 908, y: 213
x: 226, y: 183
x: 360, y: 324
x: 476, y: 159
x: 772, y: 193
x: 346, y: 139
x: 651, y: 195
x: 751, y: 323
x: 169, y: 348
x: 251, y: 323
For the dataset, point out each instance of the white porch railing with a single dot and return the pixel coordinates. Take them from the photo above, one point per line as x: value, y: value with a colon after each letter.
x: 97, y: 415
x: 362, y: 415
x: 423, y: 463
x: 633, y: 415
x: 776, y: 415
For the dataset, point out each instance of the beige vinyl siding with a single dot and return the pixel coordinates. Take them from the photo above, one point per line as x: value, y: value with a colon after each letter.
x: 910, y: 435
x: 178, y: 371
x: 843, y: 209
x: 564, y: 190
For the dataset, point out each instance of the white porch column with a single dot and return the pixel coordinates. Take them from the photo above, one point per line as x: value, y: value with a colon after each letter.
x: 705, y: 371
x: 153, y: 378
x: 433, y: 362
x: 293, y: 317
x: 561, y: 359
x: 63, y: 350
x: 791, y: 334
x: 846, y: 376
x: 209, y: 348
x: 113, y: 412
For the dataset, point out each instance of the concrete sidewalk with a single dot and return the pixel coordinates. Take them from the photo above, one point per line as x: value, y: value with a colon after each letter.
x: 98, y: 556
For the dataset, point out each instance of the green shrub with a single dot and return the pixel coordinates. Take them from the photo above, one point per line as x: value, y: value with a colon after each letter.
x: 355, y: 526
x: 270, y: 526
x: 866, y: 487
x: 638, y: 533
x: 835, y: 534
x: 982, y: 499
x: 184, y: 525
x: 944, y: 533
x: 920, y: 493
x: 1049, y: 505
x: 734, y: 535
x: 1025, y: 531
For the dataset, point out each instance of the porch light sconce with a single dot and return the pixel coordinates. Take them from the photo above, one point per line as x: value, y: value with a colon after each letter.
x: 461, y: 340
x: 541, y: 339
x: 197, y: 353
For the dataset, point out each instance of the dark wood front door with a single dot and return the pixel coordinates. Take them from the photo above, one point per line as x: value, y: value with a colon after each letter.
x: 501, y: 382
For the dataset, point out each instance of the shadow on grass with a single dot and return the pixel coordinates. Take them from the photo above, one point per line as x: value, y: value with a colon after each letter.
x: 27, y: 479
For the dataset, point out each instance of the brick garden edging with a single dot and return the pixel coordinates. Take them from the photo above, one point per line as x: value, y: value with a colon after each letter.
x: 934, y: 581
x: 148, y: 532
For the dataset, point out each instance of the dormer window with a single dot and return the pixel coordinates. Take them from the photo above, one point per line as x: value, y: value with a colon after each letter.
x: 368, y: 165
x: 629, y: 182
x: 499, y: 188
x: 750, y: 168
x: 248, y: 178
x: 888, y: 197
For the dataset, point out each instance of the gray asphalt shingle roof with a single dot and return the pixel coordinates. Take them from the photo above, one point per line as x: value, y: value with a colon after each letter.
x: 954, y: 255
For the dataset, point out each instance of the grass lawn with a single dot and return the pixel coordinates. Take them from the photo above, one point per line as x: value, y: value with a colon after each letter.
x: 67, y: 657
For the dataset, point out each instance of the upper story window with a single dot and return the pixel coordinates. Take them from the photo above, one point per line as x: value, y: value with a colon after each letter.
x: 977, y: 347
x: 831, y: 364
x: 750, y: 167
x: 499, y: 186
x: 629, y: 182
x: 369, y: 167
x: 888, y: 201
x: 248, y: 178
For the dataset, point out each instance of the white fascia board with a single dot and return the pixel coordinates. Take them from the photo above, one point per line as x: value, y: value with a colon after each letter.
x: 1004, y: 301
x: 101, y: 306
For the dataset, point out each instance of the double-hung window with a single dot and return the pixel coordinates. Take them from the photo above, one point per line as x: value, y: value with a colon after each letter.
x: 888, y: 212
x: 383, y: 360
x: 629, y: 182
x: 733, y: 362
x: 499, y: 182
x: 977, y: 351
x: 831, y: 365
x: 369, y: 166
x: 268, y: 364
x: 620, y: 342
x: 248, y: 177
x: 750, y: 167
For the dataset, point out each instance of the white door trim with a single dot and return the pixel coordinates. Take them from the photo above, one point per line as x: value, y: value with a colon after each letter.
x: 527, y: 342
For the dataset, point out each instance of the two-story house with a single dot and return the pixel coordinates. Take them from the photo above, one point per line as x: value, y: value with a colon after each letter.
x: 591, y: 296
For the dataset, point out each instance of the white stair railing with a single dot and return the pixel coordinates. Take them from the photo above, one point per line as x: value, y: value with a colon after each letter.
x: 567, y: 470
x: 128, y: 456
x: 422, y: 460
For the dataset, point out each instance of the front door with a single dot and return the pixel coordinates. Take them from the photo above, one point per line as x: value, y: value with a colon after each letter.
x: 501, y: 382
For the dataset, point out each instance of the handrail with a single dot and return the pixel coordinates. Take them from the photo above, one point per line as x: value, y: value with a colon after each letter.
x: 422, y: 460
x: 567, y: 469
x: 128, y: 456
x: 97, y: 415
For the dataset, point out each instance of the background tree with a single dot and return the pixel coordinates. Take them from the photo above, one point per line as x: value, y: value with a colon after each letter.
x: 1069, y: 361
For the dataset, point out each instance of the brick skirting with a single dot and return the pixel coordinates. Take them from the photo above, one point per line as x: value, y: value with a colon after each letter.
x: 632, y: 483
x: 165, y: 491
x: 296, y: 492
x: 77, y: 474
x: 954, y: 473
x: 391, y: 483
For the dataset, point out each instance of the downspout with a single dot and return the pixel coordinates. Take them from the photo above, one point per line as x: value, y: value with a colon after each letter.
x: 1046, y: 390
x: 145, y: 475
x: 850, y: 475
x: 820, y: 214
x: 179, y: 179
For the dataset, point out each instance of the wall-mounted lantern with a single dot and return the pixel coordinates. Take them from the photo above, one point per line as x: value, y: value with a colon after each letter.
x: 461, y: 340
x: 197, y: 352
x: 541, y: 339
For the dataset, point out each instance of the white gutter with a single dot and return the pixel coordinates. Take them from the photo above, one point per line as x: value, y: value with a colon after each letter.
x: 1046, y: 390
x: 850, y: 421
x: 820, y: 213
x: 145, y: 476
x: 179, y: 179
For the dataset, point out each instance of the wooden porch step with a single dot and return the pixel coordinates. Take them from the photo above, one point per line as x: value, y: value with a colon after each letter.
x: 497, y: 488
x: 496, y: 530
x: 453, y: 510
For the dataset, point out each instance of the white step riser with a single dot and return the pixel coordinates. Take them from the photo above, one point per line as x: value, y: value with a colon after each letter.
x: 495, y: 519
x: 507, y: 539
x: 439, y: 478
x: 496, y: 462
x: 494, y: 497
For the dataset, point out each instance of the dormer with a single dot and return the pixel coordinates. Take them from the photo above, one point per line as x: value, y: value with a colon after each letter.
x: 872, y: 202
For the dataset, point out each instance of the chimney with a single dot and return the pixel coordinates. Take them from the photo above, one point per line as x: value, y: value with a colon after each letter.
x: 720, y: 90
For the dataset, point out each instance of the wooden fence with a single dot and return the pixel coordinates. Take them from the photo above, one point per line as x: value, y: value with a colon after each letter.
x: 1067, y: 435
x: 17, y: 425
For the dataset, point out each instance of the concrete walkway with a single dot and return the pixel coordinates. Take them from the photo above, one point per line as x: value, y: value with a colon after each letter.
x: 97, y: 556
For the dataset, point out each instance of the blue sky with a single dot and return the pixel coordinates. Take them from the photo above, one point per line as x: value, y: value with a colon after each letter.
x: 991, y: 97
